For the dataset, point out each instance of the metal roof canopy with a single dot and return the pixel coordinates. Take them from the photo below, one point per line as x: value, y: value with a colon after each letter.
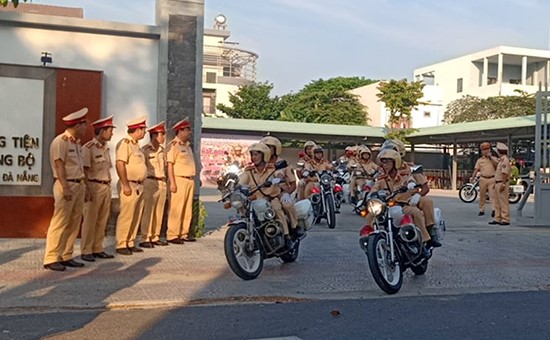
x: 294, y: 130
x: 460, y: 133
x: 475, y: 132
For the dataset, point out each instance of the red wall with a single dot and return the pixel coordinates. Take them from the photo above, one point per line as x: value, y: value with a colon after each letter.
x: 30, y: 216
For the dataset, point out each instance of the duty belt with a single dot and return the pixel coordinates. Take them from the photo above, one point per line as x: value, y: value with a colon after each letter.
x: 157, y: 178
x: 73, y: 180
x: 137, y: 182
x: 100, y: 181
x: 188, y: 177
x: 487, y: 176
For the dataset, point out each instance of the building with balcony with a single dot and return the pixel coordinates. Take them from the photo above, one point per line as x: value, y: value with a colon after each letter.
x: 498, y: 71
x: 225, y: 67
x: 428, y: 113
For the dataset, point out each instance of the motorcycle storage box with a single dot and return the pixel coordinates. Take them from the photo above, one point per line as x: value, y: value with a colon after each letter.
x: 304, y: 212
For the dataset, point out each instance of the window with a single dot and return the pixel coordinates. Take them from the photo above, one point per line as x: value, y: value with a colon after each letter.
x: 515, y: 81
x: 491, y: 80
x: 211, y: 77
x: 459, y: 85
x: 427, y: 114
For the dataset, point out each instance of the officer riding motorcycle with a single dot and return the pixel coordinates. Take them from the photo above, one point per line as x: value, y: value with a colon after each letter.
x: 362, y: 170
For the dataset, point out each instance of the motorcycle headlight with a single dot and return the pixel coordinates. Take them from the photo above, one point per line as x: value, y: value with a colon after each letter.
x: 269, y: 214
x: 237, y: 200
x: 375, y: 207
x: 233, y: 169
x: 325, y: 179
x: 358, y: 173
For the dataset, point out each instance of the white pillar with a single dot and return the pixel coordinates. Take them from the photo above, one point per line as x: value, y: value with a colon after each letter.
x: 485, y: 72
x: 499, y: 72
x: 524, y: 70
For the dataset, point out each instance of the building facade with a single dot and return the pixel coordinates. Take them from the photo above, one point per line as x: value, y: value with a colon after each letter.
x: 225, y: 68
x: 498, y: 71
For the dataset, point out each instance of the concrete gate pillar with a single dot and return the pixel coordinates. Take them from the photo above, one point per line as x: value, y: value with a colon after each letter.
x: 180, y: 69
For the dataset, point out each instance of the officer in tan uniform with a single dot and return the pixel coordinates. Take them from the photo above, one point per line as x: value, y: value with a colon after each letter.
x: 154, y: 188
x: 485, y: 167
x: 318, y: 164
x: 305, y: 157
x: 363, y: 164
x: 420, y: 199
x: 502, y: 186
x: 132, y: 171
x: 258, y: 172
x: 395, y: 177
x: 289, y: 184
x: 97, y: 167
x: 181, y: 173
x: 69, y: 191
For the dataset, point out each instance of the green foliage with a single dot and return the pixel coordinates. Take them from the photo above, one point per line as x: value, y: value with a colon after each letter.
x: 253, y: 102
x: 400, y: 98
x: 470, y: 108
x: 400, y: 134
x: 199, y: 210
x: 14, y: 2
x: 327, y: 101
x: 321, y: 101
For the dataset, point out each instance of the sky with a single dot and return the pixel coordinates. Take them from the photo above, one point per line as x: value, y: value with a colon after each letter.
x: 303, y: 40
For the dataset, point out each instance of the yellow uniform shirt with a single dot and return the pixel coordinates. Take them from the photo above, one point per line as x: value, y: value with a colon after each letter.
x: 97, y: 159
x: 155, y: 161
x: 181, y: 155
x: 128, y: 151
x: 68, y: 149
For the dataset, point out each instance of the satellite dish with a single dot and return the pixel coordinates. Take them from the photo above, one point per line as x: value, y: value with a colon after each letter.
x: 220, y: 19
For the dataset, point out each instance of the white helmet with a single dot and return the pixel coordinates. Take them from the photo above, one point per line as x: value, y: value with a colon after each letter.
x: 392, y: 154
x: 272, y: 141
x: 261, y: 147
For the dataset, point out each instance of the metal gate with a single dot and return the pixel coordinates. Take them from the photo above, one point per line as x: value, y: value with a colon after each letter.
x: 540, y: 184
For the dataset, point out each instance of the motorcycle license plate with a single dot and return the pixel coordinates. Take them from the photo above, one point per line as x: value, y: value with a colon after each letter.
x: 517, y: 189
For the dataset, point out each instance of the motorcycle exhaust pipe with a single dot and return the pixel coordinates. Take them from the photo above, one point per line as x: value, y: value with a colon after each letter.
x: 409, y: 233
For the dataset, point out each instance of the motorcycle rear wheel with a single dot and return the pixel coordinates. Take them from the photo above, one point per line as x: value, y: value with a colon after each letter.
x: 514, y: 198
x: 292, y: 255
x: 387, y: 275
x: 244, y: 263
x: 467, y: 193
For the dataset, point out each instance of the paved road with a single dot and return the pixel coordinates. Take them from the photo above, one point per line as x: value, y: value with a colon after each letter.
x: 518, y: 315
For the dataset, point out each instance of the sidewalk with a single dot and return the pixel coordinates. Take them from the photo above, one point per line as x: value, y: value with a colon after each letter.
x: 475, y: 258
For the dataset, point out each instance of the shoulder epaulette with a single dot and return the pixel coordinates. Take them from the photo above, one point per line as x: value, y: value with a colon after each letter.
x: 65, y: 138
x: 89, y: 144
x: 126, y: 140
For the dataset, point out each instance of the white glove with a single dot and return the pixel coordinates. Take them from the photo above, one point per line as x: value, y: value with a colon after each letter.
x: 411, y: 185
x: 286, y: 198
x: 414, y: 200
x: 276, y: 181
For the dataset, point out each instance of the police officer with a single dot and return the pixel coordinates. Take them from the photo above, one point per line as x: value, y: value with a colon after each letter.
x: 363, y: 164
x: 395, y: 177
x: 485, y: 166
x: 181, y: 173
x: 154, y: 187
x: 305, y: 157
x: 502, y: 186
x: 259, y: 171
x: 69, y: 191
x: 419, y: 199
x: 97, y: 167
x: 289, y: 184
x: 317, y: 164
x: 132, y: 171
x: 349, y: 155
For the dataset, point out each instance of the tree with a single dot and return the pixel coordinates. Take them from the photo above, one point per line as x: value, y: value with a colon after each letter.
x: 327, y: 101
x: 400, y: 98
x: 470, y: 108
x: 253, y: 102
x: 14, y: 2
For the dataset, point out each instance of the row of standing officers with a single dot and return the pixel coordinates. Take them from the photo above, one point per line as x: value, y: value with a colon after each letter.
x: 82, y: 189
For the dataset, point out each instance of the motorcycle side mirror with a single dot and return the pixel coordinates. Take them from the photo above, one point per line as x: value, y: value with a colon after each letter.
x: 281, y: 164
x: 417, y: 169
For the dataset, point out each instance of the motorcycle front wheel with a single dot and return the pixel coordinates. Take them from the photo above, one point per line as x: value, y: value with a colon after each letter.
x: 388, y: 275
x: 246, y: 263
x: 331, y: 213
x: 292, y: 254
x: 467, y: 193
